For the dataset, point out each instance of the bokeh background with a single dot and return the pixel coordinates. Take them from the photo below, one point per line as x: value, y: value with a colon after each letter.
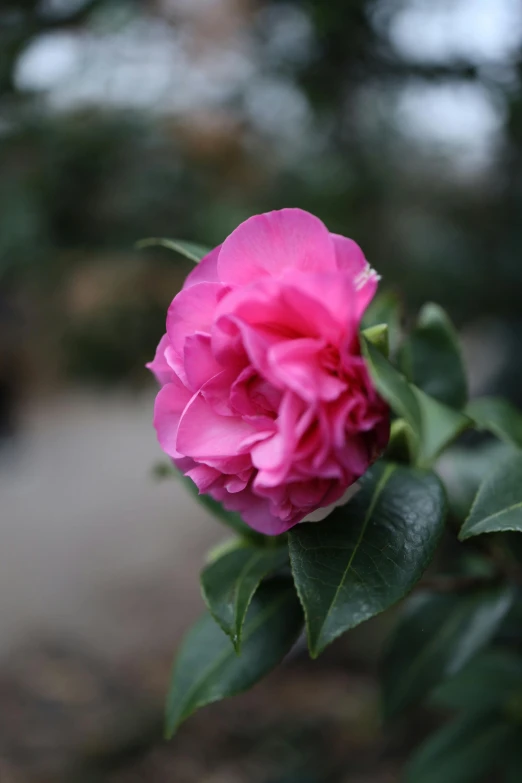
x: 399, y: 123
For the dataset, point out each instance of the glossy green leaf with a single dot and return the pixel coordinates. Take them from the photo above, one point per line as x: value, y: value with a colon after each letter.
x: 463, y: 469
x: 401, y: 446
x: 498, y: 505
x: 223, y: 548
x: 190, y: 250
x: 464, y: 751
x: 437, y: 635
x: 430, y: 357
x: 392, y: 385
x: 368, y: 554
x: 229, y: 583
x: 433, y: 424
x: 207, y: 668
x: 385, y: 308
x: 497, y: 416
x: 488, y: 682
x: 439, y: 427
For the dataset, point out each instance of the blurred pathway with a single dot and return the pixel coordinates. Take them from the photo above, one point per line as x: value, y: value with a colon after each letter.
x: 93, y: 549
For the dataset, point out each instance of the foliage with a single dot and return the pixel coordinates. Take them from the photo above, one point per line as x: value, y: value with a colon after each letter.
x: 458, y: 640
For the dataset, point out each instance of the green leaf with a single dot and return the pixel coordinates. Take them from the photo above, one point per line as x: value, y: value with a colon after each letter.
x: 498, y: 505
x: 378, y: 335
x: 439, y: 427
x: 385, y: 308
x: 222, y: 548
x: 190, y: 250
x: 430, y: 357
x: 229, y: 518
x: 392, y: 385
x: 207, y: 669
x: 437, y: 635
x: 401, y: 444
x: 229, y: 583
x: 499, y: 417
x: 433, y: 424
x: 462, y: 470
x: 464, y: 751
x: 487, y: 682
x: 368, y: 554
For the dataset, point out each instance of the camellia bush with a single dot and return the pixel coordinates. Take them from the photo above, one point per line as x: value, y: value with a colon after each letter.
x: 323, y: 434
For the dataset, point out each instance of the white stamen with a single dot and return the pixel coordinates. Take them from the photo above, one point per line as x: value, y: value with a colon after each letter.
x: 364, y: 276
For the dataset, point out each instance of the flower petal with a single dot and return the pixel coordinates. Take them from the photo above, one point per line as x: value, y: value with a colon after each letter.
x: 170, y: 403
x: 159, y: 365
x: 255, y: 510
x: 267, y: 244
x: 297, y: 365
x: 205, y: 271
x: 350, y: 258
x: 203, y: 434
x: 199, y: 362
x: 192, y: 310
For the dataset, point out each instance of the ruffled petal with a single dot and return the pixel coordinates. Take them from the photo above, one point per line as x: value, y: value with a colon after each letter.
x: 205, y: 435
x: 159, y: 365
x: 350, y: 258
x: 205, y: 271
x: 298, y: 365
x: 199, y: 362
x: 267, y: 244
x: 170, y: 403
x: 192, y: 310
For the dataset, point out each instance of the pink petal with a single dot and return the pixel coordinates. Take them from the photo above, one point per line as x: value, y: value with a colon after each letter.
x: 324, y: 511
x: 170, y: 403
x: 199, y: 362
x: 256, y: 317
x: 235, y: 484
x: 267, y: 244
x: 354, y: 456
x: 205, y: 271
x: 350, y: 258
x: 255, y: 511
x: 272, y: 456
x: 203, y: 476
x: 309, y: 494
x: 327, y: 299
x: 216, y: 392
x: 203, y: 434
x: 297, y: 365
x: 192, y: 310
x: 159, y: 365
x: 267, y: 303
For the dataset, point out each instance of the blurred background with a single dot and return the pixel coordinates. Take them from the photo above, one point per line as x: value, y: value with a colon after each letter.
x: 399, y: 123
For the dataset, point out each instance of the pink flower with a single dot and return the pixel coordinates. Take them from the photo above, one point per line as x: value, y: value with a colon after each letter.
x: 266, y: 402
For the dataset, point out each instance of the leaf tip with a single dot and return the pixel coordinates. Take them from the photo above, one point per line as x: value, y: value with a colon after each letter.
x: 315, y: 648
x: 169, y: 730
